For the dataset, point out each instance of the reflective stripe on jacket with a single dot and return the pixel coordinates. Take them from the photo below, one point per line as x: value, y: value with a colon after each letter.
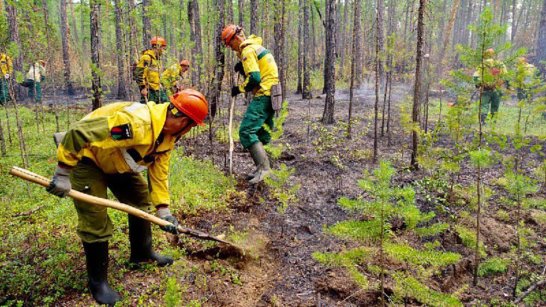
x: 124, y: 137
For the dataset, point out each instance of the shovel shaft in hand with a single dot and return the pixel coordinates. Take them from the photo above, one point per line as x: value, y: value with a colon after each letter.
x: 32, y: 177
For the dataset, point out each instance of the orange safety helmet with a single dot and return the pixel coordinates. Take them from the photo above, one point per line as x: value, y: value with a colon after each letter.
x: 489, y: 53
x: 192, y: 103
x: 229, y: 32
x: 184, y: 63
x: 158, y: 40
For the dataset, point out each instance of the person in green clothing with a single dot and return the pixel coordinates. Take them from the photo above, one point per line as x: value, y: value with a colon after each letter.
x: 6, y: 69
x: 490, y: 76
x: 260, y: 70
x: 34, y: 78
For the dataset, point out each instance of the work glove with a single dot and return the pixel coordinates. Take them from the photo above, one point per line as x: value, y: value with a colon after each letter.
x: 239, y: 68
x: 164, y: 213
x: 60, y: 183
x: 235, y: 91
x: 6, y: 76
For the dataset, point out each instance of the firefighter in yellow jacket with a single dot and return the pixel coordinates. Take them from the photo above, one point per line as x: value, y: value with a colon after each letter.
x: 109, y: 148
x: 261, y: 73
x: 171, y: 77
x: 147, y: 72
x: 6, y: 69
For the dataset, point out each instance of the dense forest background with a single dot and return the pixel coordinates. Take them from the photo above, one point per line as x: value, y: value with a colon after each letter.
x: 387, y: 187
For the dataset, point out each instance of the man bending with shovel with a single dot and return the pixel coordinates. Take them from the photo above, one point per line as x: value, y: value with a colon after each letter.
x: 109, y: 148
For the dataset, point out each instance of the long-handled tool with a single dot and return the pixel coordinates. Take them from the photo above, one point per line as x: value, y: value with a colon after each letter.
x: 32, y: 177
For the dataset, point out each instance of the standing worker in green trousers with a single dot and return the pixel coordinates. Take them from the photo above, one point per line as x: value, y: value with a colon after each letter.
x: 490, y: 77
x: 6, y: 69
x: 109, y: 148
x: 260, y: 70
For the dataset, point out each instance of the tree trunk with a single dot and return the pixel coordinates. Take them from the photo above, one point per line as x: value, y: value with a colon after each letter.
x: 301, y: 51
x: 541, y: 40
x: 14, y: 34
x: 447, y: 34
x: 146, y: 25
x: 197, y: 50
x: 357, y: 38
x: 214, y: 93
x: 122, y: 91
x: 253, y: 17
x: 343, y: 38
x: 95, y: 56
x: 278, y: 51
x: 417, y: 86
x: 66, y: 49
x: 329, y: 68
x: 241, y: 4
x: 306, y: 65
x: 356, y: 46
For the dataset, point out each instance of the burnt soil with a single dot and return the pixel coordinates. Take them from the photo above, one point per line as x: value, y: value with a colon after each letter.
x: 279, y: 269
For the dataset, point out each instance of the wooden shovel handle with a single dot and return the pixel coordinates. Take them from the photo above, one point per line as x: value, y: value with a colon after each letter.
x: 32, y: 177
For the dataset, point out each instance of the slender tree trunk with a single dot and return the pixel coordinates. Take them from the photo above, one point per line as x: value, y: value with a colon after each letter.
x: 195, y: 32
x: 301, y: 51
x: 356, y: 46
x: 146, y: 24
x: 447, y: 34
x: 279, y: 30
x: 66, y: 49
x: 343, y: 38
x: 541, y: 40
x: 214, y: 93
x: 253, y: 16
x: 46, y: 21
x: 357, y: 24
x: 122, y: 91
x: 14, y: 37
x: 95, y: 56
x: 306, y: 65
x: 329, y: 75
x: 241, y: 20
x: 417, y: 86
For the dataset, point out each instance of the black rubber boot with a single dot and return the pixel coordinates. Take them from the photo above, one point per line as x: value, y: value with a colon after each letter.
x: 140, y: 237
x: 96, y: 255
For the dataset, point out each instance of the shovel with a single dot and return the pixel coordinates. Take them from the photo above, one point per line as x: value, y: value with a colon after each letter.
x: 32, y: 177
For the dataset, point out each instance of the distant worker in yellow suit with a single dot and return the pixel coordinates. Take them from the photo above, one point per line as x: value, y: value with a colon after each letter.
x: 172, y: 76
x: 147, y: 72
x: 490, y: 77
x: 6, y: 69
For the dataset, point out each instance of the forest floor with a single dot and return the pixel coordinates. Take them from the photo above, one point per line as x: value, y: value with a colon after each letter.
x: 281, y: 270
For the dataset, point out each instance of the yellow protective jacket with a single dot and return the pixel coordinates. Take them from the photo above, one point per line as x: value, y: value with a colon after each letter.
x: 170, y: 76
x: 6, y: 65
x: 260, y: 67
x: 124, y: 137
x: 148, y: 69
x: 491, y: 75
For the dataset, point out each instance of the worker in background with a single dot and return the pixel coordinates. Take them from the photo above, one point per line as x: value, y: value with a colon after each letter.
x: 260, y: 71
x: 489, y: 77
x: 172, y: 76
x: 6, y: 70
x: 34, y: 78
x: 526, y: 78
x: 109, y: 148
x: 147, y: 72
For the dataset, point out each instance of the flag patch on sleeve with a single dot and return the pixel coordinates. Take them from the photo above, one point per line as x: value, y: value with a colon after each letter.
x: 121, y: 132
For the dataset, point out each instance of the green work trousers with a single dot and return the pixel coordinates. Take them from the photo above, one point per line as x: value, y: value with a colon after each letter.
x: 4, y: 92
x: 258, y: 113
x: 159, y: 96
x: 94, y: 224
x: 490, y: 100
x: 34, y: 87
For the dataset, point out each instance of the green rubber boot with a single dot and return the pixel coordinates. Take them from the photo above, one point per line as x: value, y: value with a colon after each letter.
x: 259, y: 155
